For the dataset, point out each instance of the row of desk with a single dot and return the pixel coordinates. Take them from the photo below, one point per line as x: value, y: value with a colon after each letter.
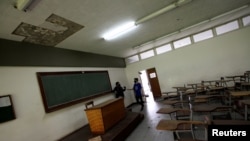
x: 202, y: 92
x: 230, y: 94
x: 172, y: 125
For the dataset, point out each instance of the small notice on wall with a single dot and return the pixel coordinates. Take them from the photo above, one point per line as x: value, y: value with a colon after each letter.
x: 152, y: 75
x: 5, y: 101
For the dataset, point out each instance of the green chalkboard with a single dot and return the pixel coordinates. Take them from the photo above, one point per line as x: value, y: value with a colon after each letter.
x: 63, y: 89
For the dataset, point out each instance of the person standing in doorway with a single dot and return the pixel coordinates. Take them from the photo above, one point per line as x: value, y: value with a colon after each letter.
x: 119, y: 90
x: 138, y: 92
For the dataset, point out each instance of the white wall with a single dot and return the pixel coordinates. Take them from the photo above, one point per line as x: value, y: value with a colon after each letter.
x: 32, y: 123
x: 224, y: 55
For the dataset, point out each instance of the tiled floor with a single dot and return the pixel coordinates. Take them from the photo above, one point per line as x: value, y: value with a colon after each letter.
x: 146, y: 130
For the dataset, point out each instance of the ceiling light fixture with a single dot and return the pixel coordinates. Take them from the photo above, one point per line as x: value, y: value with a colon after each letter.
x: 163, y: 10
x: 120, y: 30
x: 131, y: 25
x: 26, y: 5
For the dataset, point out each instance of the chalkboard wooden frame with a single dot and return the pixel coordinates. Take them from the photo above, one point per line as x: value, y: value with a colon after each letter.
x: 63, y: 89
x: 7, y: 112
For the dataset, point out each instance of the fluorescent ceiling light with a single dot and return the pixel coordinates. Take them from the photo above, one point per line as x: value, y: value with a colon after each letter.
x: 163, y: 10
x: 26, y: 5
x: 131, y: 25
x: 119, y: 30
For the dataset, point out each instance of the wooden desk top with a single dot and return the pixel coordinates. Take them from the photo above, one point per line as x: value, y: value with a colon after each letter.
x: 101, y: 105
x: 189, y: 91
x: 239, y: 93
x: 172, y: 125
x: 245, y: 83
x: 170, y: 102
x: 230, y: 122
x: 206, y: 96
x: 170, y: 110
x: 216, y: 88
x: 245, y: 101
x: 209, y: 108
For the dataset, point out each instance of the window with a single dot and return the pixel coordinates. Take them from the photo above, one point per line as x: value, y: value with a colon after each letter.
x: 246, y: 21
x: 203, y: 35
x: 164, y: 48
x: 132, y: 59
x: 182, y: 42
x: 147, y: 54
x: 227, y: 27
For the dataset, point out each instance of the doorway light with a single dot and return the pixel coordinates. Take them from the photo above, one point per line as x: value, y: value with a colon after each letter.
x: 120, y: 30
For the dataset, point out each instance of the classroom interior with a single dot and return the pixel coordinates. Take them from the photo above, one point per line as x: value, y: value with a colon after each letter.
x: 224, y: 55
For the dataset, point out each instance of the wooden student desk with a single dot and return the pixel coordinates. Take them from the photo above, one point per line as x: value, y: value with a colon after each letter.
x: 246, y: 103
x: 206, y: 98
x: 209, y: 108
x: 229, y: 122
x: 172, y: 125
x: 179, y: 112
x: 237, y: 94
x: 170, y: 110
x: 172, y: 102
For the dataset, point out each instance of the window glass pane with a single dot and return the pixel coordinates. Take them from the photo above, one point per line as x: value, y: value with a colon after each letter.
x: 147, y: 54
x: 132, y: 59
x: 182, y: 42
x: 246, y: 21
x: 164, y: 48
x: 227, y: 27
x: 203, y: 36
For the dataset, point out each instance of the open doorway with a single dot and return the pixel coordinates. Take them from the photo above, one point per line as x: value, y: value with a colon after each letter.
x: 150, y: 83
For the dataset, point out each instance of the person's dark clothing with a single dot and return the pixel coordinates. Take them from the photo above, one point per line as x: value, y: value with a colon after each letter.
x: 138, y: 93
x: 119, y: 90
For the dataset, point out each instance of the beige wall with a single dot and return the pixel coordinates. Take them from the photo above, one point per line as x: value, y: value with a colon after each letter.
x: 32, y: 123
x: 224, y: 55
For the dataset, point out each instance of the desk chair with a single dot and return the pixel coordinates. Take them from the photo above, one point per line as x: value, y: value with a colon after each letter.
x: 190, y: 128
x: 181, y: 126
x: 215, y: 111
x: 186, y: 127
x: 187, y: 138
x: 170, y: 95
x: 177, y: 103
x: 239, y: 108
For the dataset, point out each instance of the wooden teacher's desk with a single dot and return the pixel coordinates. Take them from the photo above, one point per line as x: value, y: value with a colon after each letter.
x: 105, y: 115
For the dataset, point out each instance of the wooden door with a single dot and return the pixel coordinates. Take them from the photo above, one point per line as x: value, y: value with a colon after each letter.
x: 154, y: 82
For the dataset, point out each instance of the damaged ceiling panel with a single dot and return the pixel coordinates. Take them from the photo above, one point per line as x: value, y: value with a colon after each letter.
x: 53, y: 31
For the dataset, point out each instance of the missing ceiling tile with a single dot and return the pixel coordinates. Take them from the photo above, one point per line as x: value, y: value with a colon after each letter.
x: 53, y: 27
x: 53, y: 31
